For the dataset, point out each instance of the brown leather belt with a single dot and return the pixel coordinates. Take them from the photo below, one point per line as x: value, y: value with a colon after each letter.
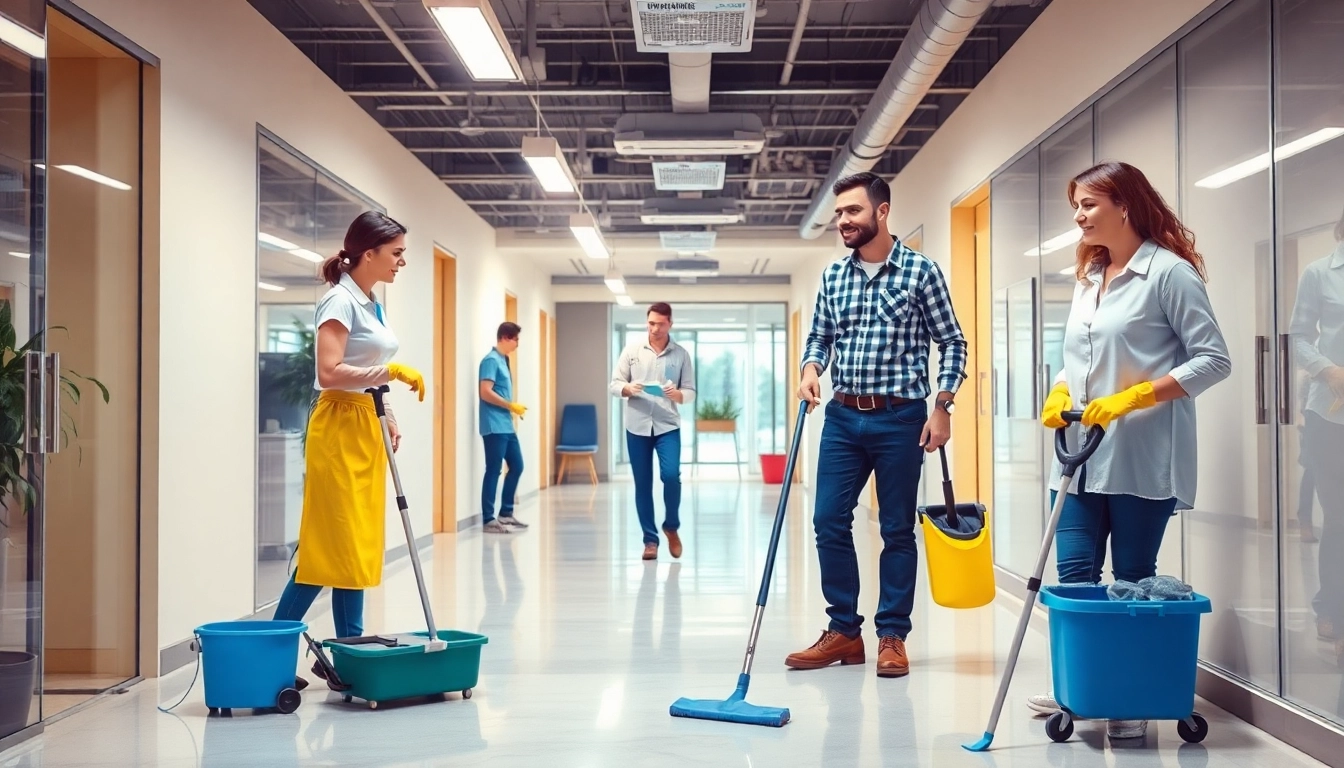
x: 869, y: 402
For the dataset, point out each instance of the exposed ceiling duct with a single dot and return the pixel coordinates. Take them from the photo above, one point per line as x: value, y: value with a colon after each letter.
x: 689, y: 74
x: 937, y: 33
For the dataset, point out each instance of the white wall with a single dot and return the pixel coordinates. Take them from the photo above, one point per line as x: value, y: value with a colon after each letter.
x: 1059, y: 62
x: 225, y: 70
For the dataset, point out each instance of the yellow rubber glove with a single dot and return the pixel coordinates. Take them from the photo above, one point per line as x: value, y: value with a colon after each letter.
x: 1056, y: 403
x: 408, y: 376
x: 518, y: 409
x: 1102, y: 411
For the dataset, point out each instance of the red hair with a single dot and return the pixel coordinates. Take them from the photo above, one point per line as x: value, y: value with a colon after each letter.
x: 1149, y: 214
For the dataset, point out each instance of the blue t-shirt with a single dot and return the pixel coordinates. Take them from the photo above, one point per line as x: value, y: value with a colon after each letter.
x: 496, y: 420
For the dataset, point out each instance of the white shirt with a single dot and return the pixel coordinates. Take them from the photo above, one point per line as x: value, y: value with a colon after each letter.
x: 371, y: 343
x: 1154, y: 319
x: 640, y: 364
x: 1318, y: 331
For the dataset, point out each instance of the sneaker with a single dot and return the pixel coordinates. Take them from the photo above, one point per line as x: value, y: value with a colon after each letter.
x: 1043, y: 703
x: 511, y: 520
x: 494, y: 526
x: 1126, y: 729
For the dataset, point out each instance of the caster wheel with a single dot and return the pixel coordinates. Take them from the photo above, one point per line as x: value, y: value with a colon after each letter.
x: 214, y: 711
x: 347, y: 699
x: 300, y: 683
x: 1059, y: 727
x: 373, y: 705
x: 466, y: 694
x: 288, y: 701
x: 226, y: 712
x: 1193, y: 729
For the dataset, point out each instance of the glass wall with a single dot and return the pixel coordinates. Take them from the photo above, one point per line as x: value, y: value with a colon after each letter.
x: 302, y: 216
x: 1240, y: 125
x: 739, y: 352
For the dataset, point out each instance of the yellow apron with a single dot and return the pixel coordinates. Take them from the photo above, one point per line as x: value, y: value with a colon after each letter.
x: 341, y: 536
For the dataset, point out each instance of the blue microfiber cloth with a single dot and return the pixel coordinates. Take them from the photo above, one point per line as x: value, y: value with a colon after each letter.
x: 1167, y: 588
x: 1126, y: 590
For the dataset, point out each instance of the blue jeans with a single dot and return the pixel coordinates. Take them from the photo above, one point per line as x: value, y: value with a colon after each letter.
x: 500, y: 449
x: 347, y: 606
x: 855, y: 444
x: 641, y: 449
x: 1134, y: 525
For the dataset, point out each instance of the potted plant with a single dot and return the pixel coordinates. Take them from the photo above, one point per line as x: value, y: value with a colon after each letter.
x: 18, y: 669
x: 717, y: 415
x: 293, y: 382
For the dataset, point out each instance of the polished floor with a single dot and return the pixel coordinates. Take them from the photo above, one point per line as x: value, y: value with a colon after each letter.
x: 589, y: 645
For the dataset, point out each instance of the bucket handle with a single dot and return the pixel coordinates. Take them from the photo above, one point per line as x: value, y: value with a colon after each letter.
x: 1152, y: 609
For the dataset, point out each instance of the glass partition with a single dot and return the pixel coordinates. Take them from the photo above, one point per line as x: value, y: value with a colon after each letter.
x: 302, y: 216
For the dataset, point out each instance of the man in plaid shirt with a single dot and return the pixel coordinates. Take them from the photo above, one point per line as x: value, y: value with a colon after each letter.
x: 878, y: 311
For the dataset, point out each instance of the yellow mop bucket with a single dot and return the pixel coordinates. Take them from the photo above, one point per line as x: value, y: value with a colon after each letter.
x: 957, y: 550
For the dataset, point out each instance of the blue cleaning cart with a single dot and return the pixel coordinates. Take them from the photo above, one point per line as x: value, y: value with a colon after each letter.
x: 1149, y: 673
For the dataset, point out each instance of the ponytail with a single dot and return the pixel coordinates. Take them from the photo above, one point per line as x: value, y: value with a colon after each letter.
x: 334, y: 267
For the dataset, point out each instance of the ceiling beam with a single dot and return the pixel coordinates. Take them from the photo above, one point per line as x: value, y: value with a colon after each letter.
x: 826, y: 148
x: 581, y: 93
x: 553, y: 203
x: 607, y: 109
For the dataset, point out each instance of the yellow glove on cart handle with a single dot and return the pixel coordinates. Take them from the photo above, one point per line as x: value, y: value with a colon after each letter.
x: 1056, y: 403
x: 1102, y: 411
x: 408, y: 376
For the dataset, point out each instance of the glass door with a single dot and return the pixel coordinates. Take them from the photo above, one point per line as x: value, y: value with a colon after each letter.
x: 26, y: 394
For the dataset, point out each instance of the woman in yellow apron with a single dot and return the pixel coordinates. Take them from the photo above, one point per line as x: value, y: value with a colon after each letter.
x: 344, y: 498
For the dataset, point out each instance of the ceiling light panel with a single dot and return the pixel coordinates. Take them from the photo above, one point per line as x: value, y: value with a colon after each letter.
x: 688, y: 242
x: 473, y: 30
x: 689, y: 177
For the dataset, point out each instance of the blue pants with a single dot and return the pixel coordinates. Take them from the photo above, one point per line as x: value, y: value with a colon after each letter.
x: 855, y: 444
x: 500, y: 449
x: 1135, y: 527
x: 641, y: 449
x: 347, y: 606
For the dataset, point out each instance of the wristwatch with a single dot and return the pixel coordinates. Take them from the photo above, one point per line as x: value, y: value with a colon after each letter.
x: 947, y: 405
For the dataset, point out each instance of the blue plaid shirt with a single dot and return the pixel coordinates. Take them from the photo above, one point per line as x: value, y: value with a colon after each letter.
x: 880, y: 330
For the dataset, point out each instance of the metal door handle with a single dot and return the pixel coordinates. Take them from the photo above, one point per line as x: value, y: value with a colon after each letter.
x: 980, y: 393
x: 34, y: 403
x: 1286, y: 379
x: 53, y: 403
x: 1261, y: 407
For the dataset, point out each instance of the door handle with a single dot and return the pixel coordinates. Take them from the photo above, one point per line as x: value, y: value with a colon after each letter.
x: 980, y: 393
x: 53, y: 403
x: 1261, y: 407
x: 1286, y: 379
x: 34, y: 403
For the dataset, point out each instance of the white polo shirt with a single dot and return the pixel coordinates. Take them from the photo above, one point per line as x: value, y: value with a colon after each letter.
x: 371, y: 342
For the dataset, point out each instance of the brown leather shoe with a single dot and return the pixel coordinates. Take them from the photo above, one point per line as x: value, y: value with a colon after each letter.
x: 832, y: 647
x: 891, y: 658
x: 650, y: 551
x: 673, y: 542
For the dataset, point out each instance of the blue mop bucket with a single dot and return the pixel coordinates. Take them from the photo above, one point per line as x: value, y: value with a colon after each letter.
x: 1123, y: 659
x: 249, y: 664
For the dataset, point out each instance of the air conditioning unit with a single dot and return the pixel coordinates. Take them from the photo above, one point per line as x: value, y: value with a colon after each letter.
x: 689, y: 177
x: 682, y: 210
x: 688, y: 242
x: 701, y: 26
x: 687, y: 268
x: 716, y: 133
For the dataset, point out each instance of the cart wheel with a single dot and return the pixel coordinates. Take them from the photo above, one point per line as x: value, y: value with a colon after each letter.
x: 214, y: 711
x: 466, y: 694
x: 348, y: 699
x: 373, y: 705
x: 288, y: 701
x: 1059, y: 727
x: 1193, y: 729
x: 225, y: 712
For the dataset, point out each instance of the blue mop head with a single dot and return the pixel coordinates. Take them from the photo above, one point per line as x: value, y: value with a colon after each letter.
x: 734, y: 709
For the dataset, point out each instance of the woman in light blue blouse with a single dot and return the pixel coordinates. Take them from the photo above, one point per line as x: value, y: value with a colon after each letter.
x: 1140, y: 345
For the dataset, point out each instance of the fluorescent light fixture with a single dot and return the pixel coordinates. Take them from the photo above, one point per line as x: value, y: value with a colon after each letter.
x: 1068, y: 271
x: 548, y: 163
x: 1058, y: 242
x: 22, y: 38
x: 474, y: 32
x: 614, y: 280
x: 276, y: 242
x: 624, y: 301
x: 1261, y: 162
x: 585, y: 230
x: 106, y: 181
x: 270, y: 287
x: 304, y: 253
x: 20, y: 255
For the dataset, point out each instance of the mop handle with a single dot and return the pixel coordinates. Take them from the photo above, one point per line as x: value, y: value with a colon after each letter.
x: 1070, y: 463
x: 774, y: 540
x: 381, y: 409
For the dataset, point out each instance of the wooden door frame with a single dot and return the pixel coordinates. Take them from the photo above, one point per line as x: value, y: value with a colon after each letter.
x: 445, y: 391
x: 546, y: 353
x: 969, y: 281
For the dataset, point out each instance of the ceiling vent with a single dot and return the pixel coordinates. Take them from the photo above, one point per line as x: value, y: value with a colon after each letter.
x: 684, y: 210
x: 719, y: 133
x: 687, y: 268
x: 703, y: 26
x: 689, y: 177
x: 688, y: 242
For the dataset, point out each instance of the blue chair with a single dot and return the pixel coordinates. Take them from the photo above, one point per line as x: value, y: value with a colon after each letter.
x: 578, y: 437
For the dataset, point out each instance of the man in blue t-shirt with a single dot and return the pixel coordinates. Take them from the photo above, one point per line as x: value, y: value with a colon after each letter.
x: 501, y: 441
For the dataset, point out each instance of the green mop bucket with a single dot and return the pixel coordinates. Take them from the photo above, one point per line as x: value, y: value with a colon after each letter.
x: 377, y: 673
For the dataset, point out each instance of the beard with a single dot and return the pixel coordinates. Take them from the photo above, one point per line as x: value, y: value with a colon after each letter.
x: 861, y: 235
